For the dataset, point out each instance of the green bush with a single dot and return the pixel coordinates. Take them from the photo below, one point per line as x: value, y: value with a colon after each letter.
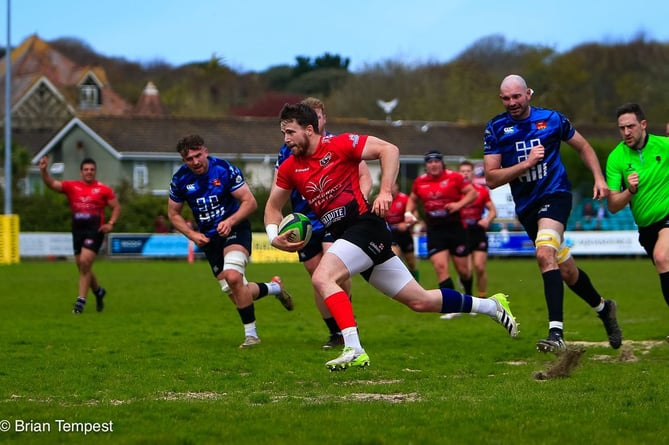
x: 50, y: 212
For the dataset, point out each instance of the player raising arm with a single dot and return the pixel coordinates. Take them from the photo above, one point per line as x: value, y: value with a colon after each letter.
x: 88, y: 199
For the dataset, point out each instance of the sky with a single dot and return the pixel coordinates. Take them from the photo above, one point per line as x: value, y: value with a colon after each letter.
x: 253, y: 35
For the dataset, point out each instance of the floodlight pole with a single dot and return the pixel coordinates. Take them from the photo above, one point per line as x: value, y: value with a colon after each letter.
x: 8, y: 118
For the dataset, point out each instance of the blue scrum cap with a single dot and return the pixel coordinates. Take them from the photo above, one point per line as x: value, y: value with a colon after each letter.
x: 433, y: 154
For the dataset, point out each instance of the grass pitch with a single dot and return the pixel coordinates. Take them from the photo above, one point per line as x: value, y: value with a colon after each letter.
x: 162, y: 363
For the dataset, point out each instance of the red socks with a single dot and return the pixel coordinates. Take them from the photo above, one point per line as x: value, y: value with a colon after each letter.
x: 341, y: 309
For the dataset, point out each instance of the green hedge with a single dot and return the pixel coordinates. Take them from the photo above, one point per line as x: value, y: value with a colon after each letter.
x: 50, y: 212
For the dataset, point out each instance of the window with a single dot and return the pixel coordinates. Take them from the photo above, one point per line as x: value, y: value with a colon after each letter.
x: 89, y: 93
x: 140, y: 176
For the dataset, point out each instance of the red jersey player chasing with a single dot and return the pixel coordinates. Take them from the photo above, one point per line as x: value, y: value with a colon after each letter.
x: 477, y: 218
x: 443, y: 193
x: 401, y: 230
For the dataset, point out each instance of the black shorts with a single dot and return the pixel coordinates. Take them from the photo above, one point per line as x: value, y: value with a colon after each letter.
x: 315, y: 245
x: 370, y: 233
x: 648, y: 235
x: 477, y: 238
x: 451, y: 237
x: 403, y: 240
x: 213, y: 250
x: 557, y: 207
x: 91, y: 239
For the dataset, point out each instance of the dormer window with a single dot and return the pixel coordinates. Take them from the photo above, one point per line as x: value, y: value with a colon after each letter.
x: 90, y: 95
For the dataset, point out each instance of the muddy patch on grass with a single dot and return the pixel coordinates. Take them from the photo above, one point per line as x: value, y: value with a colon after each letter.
x: 208, y: 395
x: 389, y: 398
x: 372, y: 382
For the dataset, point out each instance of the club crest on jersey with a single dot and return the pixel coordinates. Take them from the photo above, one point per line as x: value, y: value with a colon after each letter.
x: 326, y: 159
x: 216, y: 182
x: 541, y: 125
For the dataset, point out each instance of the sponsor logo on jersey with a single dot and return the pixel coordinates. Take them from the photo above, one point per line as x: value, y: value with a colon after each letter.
x: 323, y: 183
x: 376, y: 248
x: 190, y: 187
x: 508, y: 130
x: 333, y: 216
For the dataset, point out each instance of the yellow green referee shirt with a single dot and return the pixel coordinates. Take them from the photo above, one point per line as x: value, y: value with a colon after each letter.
x: 651, y: 202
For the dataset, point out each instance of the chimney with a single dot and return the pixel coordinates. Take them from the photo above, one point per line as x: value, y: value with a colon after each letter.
x: 149, y: 103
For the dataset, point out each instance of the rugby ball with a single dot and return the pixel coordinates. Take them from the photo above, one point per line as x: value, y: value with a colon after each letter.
x: 297, y: 226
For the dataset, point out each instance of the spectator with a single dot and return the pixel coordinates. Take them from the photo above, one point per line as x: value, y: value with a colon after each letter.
x: 160, y: 226
x: 588, y: 212
x: 601, y: 212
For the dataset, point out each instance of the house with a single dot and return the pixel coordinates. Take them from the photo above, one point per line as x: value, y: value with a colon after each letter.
x: 71, y: 112
x: 141, y: 150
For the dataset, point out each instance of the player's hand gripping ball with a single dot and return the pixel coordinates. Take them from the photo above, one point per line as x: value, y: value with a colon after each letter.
x: 297, y: 226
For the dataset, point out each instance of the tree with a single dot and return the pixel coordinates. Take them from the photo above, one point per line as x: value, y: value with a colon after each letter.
x: 20, y: 164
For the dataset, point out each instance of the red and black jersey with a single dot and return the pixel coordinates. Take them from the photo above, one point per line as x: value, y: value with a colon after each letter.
x: 397, y: 209
x: 437, y: 191
x: 329, y: 180
x: 473, y: 212
x: 87, y: 202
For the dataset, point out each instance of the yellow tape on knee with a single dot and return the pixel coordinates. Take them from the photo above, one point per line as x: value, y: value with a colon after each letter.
x: 563, y: 254
x: 548, y: 238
